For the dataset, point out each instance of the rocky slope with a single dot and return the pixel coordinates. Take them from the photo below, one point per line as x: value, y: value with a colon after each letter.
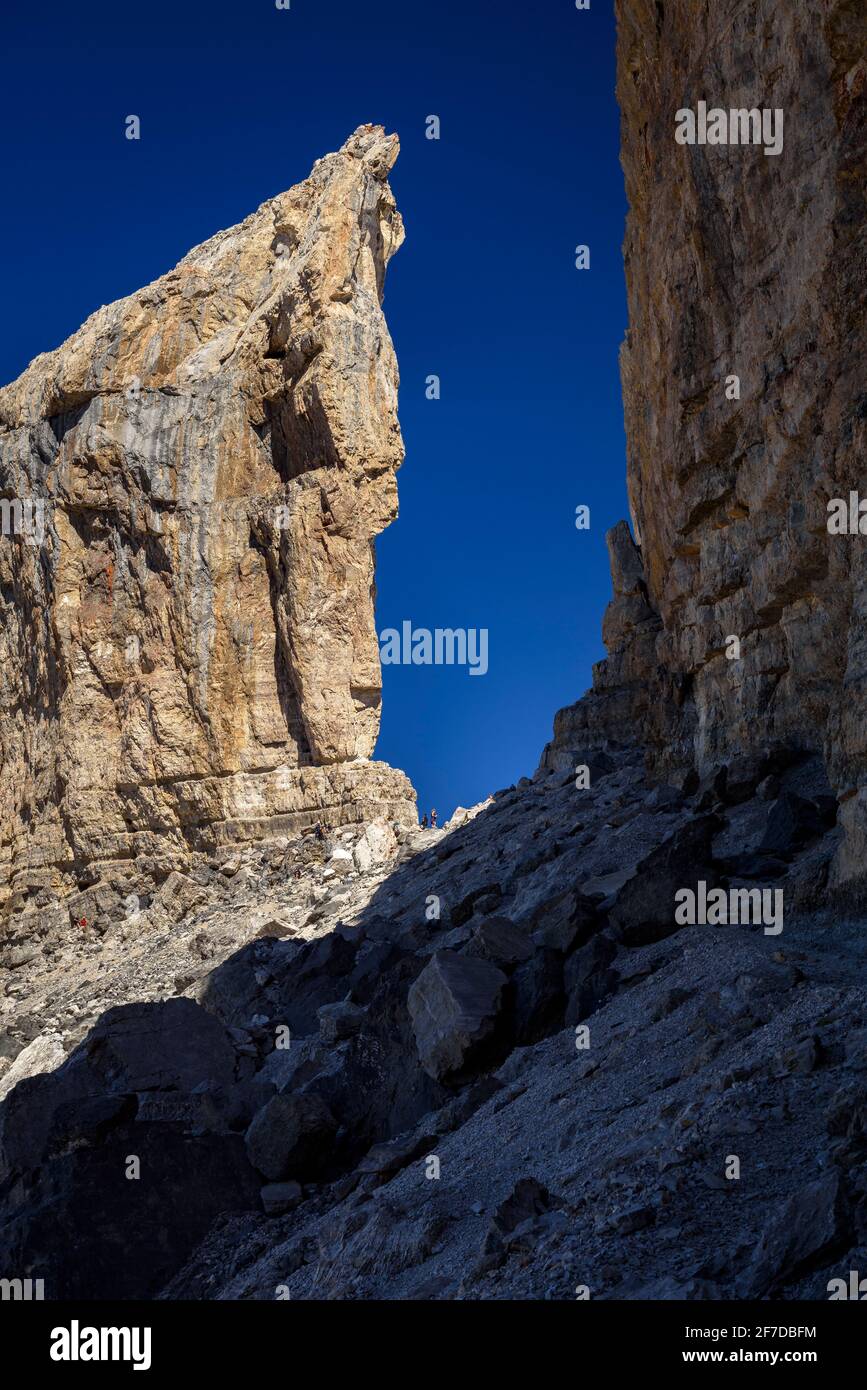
x: 187, y: 639
x: 325, y: 1037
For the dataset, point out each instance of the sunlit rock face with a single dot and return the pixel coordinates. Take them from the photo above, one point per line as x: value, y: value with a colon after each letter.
x: 188, y: 653
x: 750, y: 265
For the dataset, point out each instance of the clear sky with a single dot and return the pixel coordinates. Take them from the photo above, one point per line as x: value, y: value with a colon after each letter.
x: 236, y: 101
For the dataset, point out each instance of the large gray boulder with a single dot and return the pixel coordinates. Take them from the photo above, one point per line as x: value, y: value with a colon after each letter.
x: 453, y: 1005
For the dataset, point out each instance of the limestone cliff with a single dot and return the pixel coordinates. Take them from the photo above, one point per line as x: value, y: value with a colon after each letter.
x: 740, y: 264
x: 576, y: 1052
x: 193, y: 484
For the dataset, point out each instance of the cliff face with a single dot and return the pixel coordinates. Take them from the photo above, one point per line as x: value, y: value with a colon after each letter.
x: 742, y: 264
x: 194, y: 481
x: 434, y: 983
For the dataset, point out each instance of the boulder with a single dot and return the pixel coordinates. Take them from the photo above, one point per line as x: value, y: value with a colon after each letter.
x: 173, y: 1045
x: 280, y: 1197
x: 453, y: 1005
x: 375, y: 1084
x: 643, y: 907
x: 377, y: 846
x: 564, y: 922
x: 499, y: 939
x: 179, y: 895
x: 339, y: 1021
x: 172, y: 1048
x: 516, y: 1224
x: 291, y: 1135
x: 792, y: 822
x: 806, y: 1225
x: 45, y: 1053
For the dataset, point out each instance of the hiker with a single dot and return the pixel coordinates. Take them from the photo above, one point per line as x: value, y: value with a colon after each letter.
x: 433, y: 820
x: 424, y: 821
x: 320, y: 833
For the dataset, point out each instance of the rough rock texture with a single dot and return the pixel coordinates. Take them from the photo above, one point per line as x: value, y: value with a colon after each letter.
x: 742, y: 264
x: 285, y: 1104
x: 189, y: 657
x: 453, y: 1006
x: 494, y: 1062
x: 43, y: 1054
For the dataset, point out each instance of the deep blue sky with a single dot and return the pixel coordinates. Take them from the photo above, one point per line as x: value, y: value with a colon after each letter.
x: 236, y: 101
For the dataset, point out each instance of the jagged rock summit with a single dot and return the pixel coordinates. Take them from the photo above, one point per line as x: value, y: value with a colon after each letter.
x: 193, y: 484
